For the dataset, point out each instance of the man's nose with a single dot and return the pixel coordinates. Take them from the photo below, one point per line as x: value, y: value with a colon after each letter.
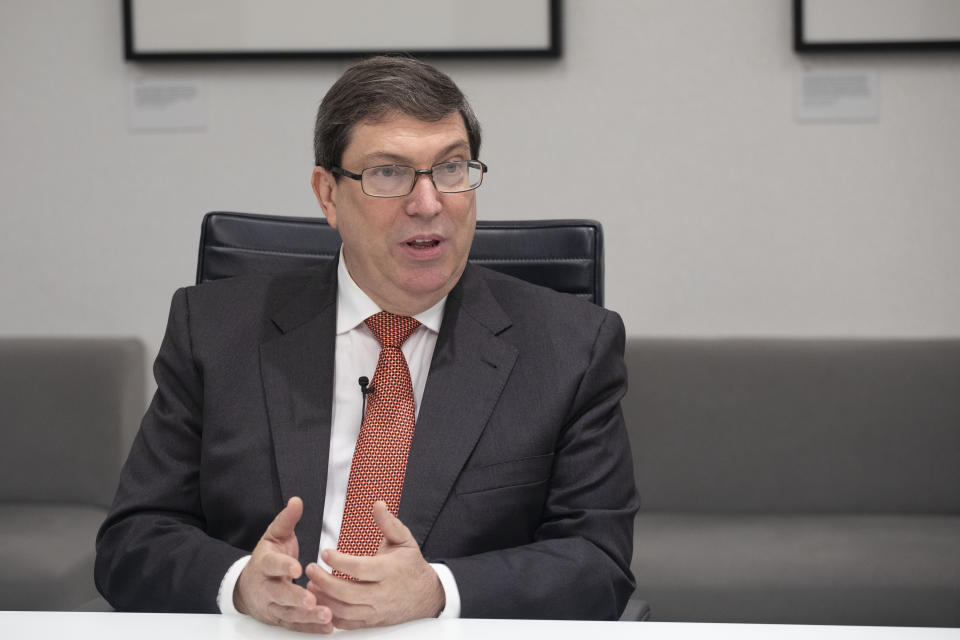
x: 424, y: 200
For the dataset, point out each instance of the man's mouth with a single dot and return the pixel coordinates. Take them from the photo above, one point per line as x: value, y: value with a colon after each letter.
x: 423, y: 243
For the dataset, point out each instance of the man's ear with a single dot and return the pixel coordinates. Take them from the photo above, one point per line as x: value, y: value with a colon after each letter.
x: 325, y: 188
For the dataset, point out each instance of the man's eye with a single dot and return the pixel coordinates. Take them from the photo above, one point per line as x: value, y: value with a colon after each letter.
x: 450, y: 167
x: 385, y: 172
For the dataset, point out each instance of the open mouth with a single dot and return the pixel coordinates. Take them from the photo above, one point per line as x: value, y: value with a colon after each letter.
x: 422, y: 243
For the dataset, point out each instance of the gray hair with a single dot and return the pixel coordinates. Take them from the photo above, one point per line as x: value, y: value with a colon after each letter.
x: 377, y: 87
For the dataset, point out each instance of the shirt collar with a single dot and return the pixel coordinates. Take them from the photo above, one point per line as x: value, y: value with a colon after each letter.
x: 354, y: 306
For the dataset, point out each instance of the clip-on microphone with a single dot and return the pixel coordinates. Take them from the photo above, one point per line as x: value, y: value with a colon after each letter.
x: 363, y: 381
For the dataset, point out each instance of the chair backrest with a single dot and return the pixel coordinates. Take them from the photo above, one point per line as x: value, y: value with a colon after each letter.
x: 565, y: 255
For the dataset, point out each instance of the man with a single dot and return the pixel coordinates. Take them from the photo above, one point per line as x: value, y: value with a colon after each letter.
x: 491, y: 476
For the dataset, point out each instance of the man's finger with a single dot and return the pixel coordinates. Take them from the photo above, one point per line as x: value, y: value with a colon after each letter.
x: 283, y: 525
x: 363, y: 568
x: 288, y: 594
x: 308, y: 628
x: 342, y: 610
x: 344, y: 590
x: 394, y: 532
x: 280, y: 565
x: 349, y: 625
x: 299, y: 615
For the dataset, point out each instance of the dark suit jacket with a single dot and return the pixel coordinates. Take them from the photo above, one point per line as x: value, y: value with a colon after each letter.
x: 519, y: 476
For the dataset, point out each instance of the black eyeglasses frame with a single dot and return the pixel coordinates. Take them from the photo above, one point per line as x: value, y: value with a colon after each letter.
x: 340, y: 171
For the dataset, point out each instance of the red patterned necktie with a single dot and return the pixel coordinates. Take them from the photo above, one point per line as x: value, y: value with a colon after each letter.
x: 380, y: 456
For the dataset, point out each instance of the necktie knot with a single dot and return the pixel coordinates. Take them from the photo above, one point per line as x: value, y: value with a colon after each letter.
x: 391, y: 330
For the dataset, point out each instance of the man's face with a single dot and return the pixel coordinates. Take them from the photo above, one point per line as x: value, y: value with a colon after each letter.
x: 406, y: 253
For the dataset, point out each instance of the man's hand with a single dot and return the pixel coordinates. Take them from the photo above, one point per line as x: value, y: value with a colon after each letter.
x: 394, y: 586
x: 265, y: 588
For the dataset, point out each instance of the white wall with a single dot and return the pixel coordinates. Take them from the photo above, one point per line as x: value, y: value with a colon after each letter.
x: 668, y: 120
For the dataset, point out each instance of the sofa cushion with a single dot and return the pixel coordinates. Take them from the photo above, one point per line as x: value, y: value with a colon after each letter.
x: 70, y: 409
x: 800, y: 569
x: 47, y: 555
x: 777, y: 425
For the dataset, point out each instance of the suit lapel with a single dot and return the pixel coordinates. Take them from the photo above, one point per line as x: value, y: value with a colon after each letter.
x: 469, y: 369
x: 297, y: 370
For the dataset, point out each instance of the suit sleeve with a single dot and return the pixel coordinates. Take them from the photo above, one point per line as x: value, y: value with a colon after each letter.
x: 578, y: 565
x: 152, y: 551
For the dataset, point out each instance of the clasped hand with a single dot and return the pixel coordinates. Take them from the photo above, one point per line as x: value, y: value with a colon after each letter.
x: 393, y: 586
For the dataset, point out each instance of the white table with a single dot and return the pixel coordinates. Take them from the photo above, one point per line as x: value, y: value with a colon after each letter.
x: 44, y: 625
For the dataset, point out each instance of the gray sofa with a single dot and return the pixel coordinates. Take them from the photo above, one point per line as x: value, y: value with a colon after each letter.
x: 786, y: 481
x: 797, y: 481
x: 68, y: 411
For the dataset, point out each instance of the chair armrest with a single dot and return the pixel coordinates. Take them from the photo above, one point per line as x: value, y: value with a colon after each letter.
x: 97, y: 604
x: 636, y: 611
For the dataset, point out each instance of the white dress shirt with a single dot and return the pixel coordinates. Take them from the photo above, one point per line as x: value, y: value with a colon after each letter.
x: 356, y: 355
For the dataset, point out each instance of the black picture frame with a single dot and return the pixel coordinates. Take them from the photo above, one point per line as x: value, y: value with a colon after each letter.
x: 805, y: 42
x: 137, y: 53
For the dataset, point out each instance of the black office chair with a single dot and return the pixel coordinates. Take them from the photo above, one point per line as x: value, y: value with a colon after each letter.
x: 565, y: 255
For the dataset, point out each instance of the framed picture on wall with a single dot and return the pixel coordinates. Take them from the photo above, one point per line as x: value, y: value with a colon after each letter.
x: 859, y: 25
x: 229, y: 29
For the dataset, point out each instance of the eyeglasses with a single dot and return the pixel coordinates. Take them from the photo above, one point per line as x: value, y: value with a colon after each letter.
x: 396, y: 180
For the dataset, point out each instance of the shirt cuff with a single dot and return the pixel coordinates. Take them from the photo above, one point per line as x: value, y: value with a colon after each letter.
x: 229, y: 583
x: 450, y: 591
